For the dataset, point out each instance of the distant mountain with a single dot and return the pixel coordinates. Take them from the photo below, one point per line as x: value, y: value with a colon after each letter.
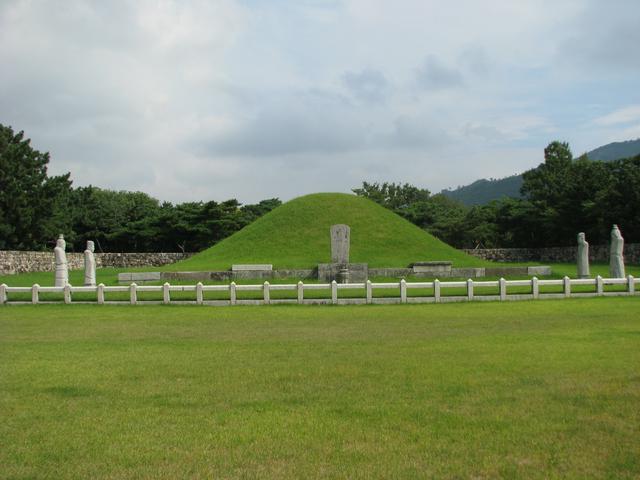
x: 615, y: 151
x: 483, y: 191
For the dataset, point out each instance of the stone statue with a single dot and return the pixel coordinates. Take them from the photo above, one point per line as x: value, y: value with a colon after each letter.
x: 583, y: 256
x: 616, y: 260
x: 62, y: 268
x: 89, y: 265
x: 340, y: 239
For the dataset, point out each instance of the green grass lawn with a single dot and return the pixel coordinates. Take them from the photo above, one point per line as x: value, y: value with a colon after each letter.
x: 546, y: 389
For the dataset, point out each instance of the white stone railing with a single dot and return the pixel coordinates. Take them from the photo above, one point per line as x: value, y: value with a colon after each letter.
x: 591, y: 287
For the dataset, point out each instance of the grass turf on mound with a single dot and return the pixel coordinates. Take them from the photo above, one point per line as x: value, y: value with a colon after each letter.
x: 543, y: 389
x: 296, y: 235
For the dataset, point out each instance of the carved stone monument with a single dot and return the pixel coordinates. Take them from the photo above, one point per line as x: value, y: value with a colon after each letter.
x: 340, y: 269
x: 616, y: 259
x: 583, y: 256
x: 89, y: 265
x: 340, y: 238
x: 62, y: 268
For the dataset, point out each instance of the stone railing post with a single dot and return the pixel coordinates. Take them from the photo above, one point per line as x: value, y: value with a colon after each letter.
x: 403, y: 291
x: 535, y: 288
x: 199, y: 293
x: 233, y: 299
x: 566, y: 286
x: 334, y: 292
x: 436, y: 290
x: 133, y: 294
x: 369, y: 291
x: 166, y: 295
x: 599, y: 286
x: 34, y: 293
x: 3, y: 293
x: 469, y: 289
x: 300, y: 292
x: 100, y: 293
x: 266, y: 294
x: 67, y: 294
x: 630, y: 285
x: 503, y: 289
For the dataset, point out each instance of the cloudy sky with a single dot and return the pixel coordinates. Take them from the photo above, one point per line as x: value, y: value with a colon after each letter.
x: 213, y: 99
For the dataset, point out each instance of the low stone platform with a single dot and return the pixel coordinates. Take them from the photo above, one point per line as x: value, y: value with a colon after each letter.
x: 139, y: 277
x: 471, y: 272
x: 142, y: 278
x: 252, y: 268
x: 358, y: 272
x: 432, y: 268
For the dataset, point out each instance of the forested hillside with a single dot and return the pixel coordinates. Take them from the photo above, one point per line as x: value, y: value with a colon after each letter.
x: 562, y: 196
x: 615, y: 151
x: 35, y: 208
x: 483, y: 191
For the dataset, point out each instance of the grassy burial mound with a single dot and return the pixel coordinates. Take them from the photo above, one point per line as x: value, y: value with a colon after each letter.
x: 296, y: 235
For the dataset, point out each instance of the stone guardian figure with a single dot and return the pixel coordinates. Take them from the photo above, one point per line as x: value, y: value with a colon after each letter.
x: 62, y: 267
x: 616, y: 259
x: 89, y: 265
x: 583, y: 256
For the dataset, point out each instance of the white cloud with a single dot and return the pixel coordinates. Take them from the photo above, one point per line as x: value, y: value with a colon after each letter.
x: 508, y: 128
x: 622, y: 115
x: 200, y: 99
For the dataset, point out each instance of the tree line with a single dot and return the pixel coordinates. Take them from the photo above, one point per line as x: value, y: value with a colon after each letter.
x: 36, y: 207
x: 561, y: 197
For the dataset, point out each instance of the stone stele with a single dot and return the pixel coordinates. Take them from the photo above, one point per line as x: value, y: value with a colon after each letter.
x: 340, y: 239
x: 62, y: 267
x: 583, y: 256
x: 89, y: 265
x: 616, y: 259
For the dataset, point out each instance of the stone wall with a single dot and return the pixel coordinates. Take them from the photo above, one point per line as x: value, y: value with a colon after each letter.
x: 12, y: 261
x: 597, y: 253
